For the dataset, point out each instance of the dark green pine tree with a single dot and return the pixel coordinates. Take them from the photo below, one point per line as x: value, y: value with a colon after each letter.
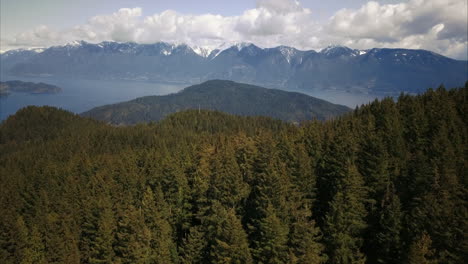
x: 199, y: 180
x: 177, y: 192
x: 89, y: 229
x: 331, y: 170
x: 132, y: 237
x: 420, y: 251
x: 101, y: 247
x: 345, y: 221
x: 304, y: 239
x: 7, y: 243
x: 156, y: 214
x: 304, y: 243
x: 22, y: 250
x: 227, y: 183
x: 267, y: 215
x: 271, y: 244
x: 194, y: 247
x: 98, y: 225
x: 300, y: 168
x: 29, y: 247
x: 229, y: 242
x: 304, y: 235
x: 56, y: 226
x: 373, y: 163
x: 36, y: 245
x: 442, y: 215
x: 388, y: 233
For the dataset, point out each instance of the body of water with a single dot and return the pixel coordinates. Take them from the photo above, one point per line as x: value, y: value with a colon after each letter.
x: 81, y: 95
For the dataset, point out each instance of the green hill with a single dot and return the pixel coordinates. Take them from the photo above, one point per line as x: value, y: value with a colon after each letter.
x: 224, y: 96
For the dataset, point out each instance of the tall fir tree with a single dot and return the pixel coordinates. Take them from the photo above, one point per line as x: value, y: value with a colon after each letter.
x: 194, y: 247
x: 228, y: 240
x: 156, y: 214
x: 271, y: 244
x: 420, y: 251
x: 345, y: 220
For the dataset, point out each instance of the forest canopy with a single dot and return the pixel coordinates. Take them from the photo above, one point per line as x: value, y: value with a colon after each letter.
x: 386, y: 183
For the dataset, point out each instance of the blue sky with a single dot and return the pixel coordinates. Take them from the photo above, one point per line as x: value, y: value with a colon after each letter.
x: 437, y: 25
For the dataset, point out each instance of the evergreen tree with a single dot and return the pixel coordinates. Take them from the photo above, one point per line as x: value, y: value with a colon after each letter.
x: 271, y: 244
x: 101, y: 247
x: 304, y: 240
x: 194, y: 247
x: 132, y: 237
x: 156, y: 216
x: 345, y: 221
x: 29, y: 245
x: 226, y: 182
x: 420, y: 251
x: 387, y: 240
x: 229, y: 242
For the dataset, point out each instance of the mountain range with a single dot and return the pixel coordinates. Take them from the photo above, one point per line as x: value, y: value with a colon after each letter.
x: 337, y: 68
x: 225, y: 96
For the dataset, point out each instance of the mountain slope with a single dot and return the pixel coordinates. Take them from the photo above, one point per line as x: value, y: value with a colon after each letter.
x: 337, y: 68
x: 225, y: 96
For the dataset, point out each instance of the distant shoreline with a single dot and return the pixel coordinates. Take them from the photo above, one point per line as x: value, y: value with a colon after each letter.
x: 17, y: 86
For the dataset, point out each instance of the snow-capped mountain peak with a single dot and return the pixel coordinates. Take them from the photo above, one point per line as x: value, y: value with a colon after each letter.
x: 237, y: 45
x: 287, y: 52
x: 341, y: 51
x: 202, y: 51
x: 75, y: 43
x: 241, y: 45
x: 214, y: 52
x: 362, y: 52
x: 332, y: 49
x: 7, y: 53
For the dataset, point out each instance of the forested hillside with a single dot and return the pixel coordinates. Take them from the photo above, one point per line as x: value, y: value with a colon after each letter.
x: 27, y: 87
x: 226, y: 96
x: 386, y: 183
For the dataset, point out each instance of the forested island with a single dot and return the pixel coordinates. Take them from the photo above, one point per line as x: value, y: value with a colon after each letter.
x: 221, y: 95
x: 385, y: 183
x: 27, y: 87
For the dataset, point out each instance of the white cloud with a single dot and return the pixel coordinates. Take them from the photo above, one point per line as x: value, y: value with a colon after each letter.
x: 371, y: 21
x: 438, y: 25
x: 120, y: 26
x: 41, y: 35
x: 274, y: 17
x: 175, y: 27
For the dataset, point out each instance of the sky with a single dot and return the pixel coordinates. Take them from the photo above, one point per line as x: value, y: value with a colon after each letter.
x: 436, y: 25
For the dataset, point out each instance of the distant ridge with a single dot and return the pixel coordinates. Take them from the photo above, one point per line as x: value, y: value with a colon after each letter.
x: 377, y: 71
x: 225, y: 96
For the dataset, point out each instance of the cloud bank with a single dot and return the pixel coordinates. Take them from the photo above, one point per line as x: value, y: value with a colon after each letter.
x: 437, y: 25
